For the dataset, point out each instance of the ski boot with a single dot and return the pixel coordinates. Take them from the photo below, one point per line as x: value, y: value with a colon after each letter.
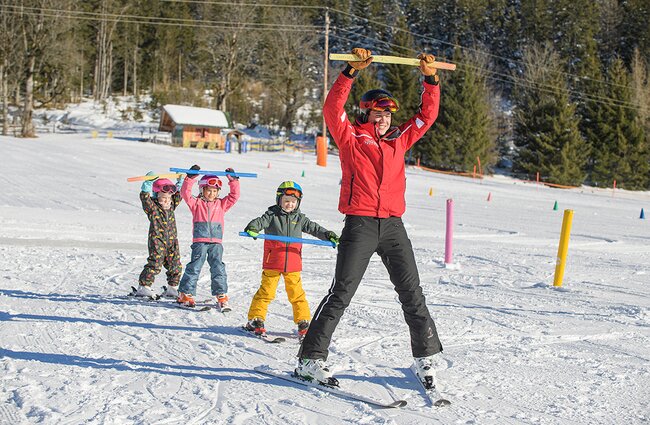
x: 145, y: 291
x: 186, y: 299
x: 303, y: 326
x: 256, y: 325
x: 423, y: 367
x: 170, y: 291
x: 222, y: 302
x: 315, y: 370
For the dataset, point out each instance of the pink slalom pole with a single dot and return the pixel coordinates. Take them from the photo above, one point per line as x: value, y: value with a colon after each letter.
x: 449, y: 235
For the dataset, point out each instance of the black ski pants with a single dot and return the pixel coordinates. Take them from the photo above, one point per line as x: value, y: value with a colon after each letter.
x: 360, y: 239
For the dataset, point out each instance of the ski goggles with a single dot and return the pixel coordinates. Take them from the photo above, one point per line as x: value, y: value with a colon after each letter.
x: 169, y: 188
x: 212, y: 181
x: 383, y: 104
x: 291, y: 192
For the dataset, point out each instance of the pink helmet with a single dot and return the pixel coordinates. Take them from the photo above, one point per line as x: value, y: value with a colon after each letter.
x: 165, y: 186
x: 210, y: 180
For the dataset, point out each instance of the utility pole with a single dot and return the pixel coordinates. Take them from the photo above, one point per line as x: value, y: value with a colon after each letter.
x: 326, y: 64
x: 135, y: 61
x: 321, y: 142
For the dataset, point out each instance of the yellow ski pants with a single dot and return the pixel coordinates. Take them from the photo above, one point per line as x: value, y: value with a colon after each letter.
x: 266, y: 293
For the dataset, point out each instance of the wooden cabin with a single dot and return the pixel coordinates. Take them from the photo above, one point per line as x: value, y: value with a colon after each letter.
x: 194, y: 127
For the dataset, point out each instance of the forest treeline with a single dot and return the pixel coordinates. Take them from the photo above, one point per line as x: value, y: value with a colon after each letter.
x: 555, y: 87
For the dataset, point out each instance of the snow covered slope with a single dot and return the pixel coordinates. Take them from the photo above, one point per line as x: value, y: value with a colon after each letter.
x: 73, y: 350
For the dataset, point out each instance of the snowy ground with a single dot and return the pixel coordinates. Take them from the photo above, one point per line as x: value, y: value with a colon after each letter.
x: 517, y: 350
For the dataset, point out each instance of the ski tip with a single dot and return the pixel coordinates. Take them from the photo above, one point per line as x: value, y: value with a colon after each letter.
x: 397, y: 403
x: 442, y: 403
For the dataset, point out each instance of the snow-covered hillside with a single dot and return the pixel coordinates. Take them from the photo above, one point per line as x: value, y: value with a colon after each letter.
x: 74, y: 350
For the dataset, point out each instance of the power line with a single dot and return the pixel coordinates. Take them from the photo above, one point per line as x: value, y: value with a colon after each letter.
x: 226, y: 3
x: 513, y: 80
x: 455, y: 45
x: 228, y: 25
x: 90, y: 16
x: 159, y: 19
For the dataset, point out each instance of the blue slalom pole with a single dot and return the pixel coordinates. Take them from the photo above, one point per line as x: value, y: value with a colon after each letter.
x: 289, y: 239
x: 216, y: 173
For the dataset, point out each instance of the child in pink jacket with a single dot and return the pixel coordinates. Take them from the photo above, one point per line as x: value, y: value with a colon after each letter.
x: 208, y: 222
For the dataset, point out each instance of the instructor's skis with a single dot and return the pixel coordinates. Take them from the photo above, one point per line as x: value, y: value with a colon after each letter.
x: 291, y: 377
x: 432, y: 393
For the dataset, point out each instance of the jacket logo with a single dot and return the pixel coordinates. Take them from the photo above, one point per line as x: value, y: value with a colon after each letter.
x: 419, y: 123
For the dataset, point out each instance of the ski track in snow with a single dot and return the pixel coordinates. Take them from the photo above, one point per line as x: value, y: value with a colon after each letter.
x: 76, y: 350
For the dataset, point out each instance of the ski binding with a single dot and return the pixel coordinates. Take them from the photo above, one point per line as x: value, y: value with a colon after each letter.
x: 430, y: 390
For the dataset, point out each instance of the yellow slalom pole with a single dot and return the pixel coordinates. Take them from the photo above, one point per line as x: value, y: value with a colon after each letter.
x: 563, y: 249
x: 157, y: 176
x: 392, y: 59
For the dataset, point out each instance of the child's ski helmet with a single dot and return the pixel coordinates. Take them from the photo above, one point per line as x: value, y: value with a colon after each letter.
x: 210, y: 180
x: 288, y: 188
x: 378, y: 100
x: 164, y: 186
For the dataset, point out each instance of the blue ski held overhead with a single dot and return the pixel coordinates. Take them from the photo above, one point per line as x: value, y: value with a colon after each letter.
x: 289, y: 239
x: 215, y: 173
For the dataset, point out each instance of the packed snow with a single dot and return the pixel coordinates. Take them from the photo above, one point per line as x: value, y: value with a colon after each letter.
x: 75, y: 349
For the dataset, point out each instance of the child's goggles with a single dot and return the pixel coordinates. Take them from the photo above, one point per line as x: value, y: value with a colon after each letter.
x: 212, y: 182
x: 383, y: 104
x: 169, y: 188
x: 291, y: 192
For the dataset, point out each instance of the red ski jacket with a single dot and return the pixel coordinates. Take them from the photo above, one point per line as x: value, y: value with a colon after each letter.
x: 373, y: 182
x: 281, y: 256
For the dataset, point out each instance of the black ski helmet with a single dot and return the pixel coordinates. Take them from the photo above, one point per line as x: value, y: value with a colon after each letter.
x: 378, y: 99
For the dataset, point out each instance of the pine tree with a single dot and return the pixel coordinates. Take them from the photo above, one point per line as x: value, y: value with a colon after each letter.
x: 465, y: 129
x: 536, y: 21
x: 367, y: 80
x: 403, y: 81
x: 546, y: 126
x: 575, y: 25
x: 634, y: 31
x: 431, y: 21
x: 361, y: 32
x: 640, y: 84
x: 620, y: 149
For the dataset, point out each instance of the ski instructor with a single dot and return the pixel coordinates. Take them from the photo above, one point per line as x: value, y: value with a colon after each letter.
x: 372, y: 199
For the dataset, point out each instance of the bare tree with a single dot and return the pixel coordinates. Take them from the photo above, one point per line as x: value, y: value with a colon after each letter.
x: 110, y: 11
x: 641, y: 88
x: 41, y: 24
x: 9, y: 57
x: 229, y: 51
x: 290, y: 65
